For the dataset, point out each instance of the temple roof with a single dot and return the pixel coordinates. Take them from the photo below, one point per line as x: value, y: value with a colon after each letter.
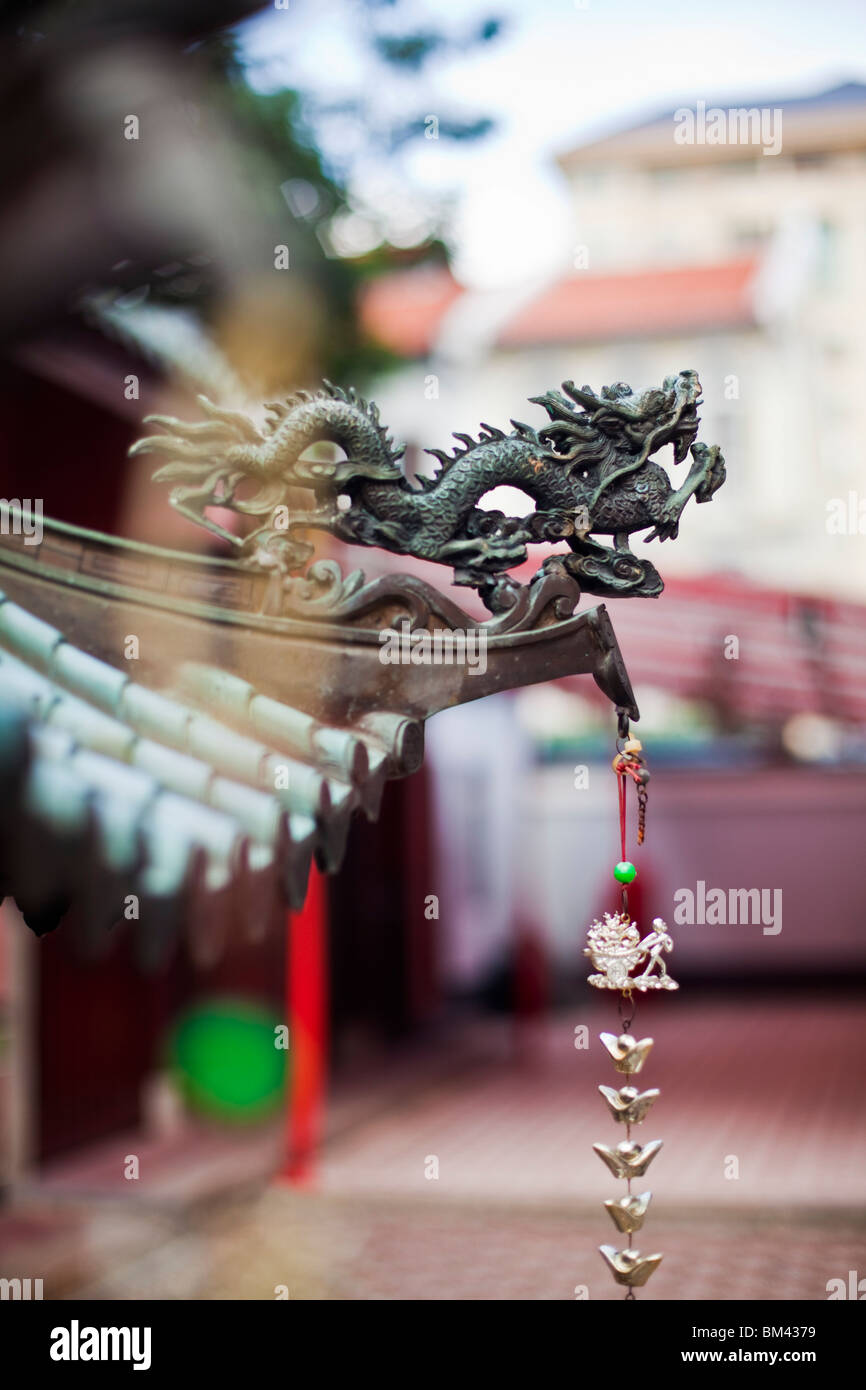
x: 192, y: 803
x: 181, y: 737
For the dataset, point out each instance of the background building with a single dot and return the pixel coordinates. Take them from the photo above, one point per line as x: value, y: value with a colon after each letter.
x: 746, y: 263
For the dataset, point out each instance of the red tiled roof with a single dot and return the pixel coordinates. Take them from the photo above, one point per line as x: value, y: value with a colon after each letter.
x: 587, y: 307
x: 403, y: 309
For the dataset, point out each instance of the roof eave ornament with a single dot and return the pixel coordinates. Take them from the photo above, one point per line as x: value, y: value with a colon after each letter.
x: 267, y: 659
x: 590, y: 471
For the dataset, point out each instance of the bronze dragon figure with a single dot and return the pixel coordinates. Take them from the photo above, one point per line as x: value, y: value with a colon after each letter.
x: 589, y: 470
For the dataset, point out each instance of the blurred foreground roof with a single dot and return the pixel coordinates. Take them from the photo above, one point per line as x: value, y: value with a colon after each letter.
x: 198, y: 810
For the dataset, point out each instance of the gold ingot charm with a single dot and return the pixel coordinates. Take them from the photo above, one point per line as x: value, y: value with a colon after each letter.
x: 628, y: 1054
x: 627, y: 1213
x: 628, y: 1105
x: 630, y: 1267
x: 628, y: 1159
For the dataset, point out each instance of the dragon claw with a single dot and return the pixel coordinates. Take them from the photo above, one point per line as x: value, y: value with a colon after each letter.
x: 714, y: 471
x: 668, y: 525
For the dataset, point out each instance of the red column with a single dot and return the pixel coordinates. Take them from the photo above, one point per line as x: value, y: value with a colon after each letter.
x: 307, y: 1016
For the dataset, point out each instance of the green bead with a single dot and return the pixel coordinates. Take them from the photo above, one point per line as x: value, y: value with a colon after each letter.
x: 625, y: 872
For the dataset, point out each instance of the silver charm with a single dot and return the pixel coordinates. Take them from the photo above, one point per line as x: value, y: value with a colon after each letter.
x: 628, y: 1105
x: 628, y: 1159
x: 628, y: 962
x: 627, y: 1213
x: 628, y: 1054
x: 616, y: 948
x: 630, y: 1266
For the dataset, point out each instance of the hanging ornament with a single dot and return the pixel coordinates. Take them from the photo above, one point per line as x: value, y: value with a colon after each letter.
x: 616, y: 947
x: 628, y: 962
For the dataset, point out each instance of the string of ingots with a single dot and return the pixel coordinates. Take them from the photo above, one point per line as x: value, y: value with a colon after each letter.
x: 616, y: 949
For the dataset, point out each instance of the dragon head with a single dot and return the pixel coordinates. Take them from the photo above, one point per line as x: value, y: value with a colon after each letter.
x: 635, y: 423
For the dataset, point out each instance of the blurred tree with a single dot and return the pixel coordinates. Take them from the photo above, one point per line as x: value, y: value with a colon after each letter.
x: 279, y: 130
x: 218, y: 174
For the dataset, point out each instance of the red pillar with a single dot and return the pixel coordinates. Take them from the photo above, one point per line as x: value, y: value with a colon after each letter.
x: 307, y: 1016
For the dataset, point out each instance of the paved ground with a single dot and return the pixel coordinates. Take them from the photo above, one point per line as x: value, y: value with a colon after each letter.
x: 327, y: 1248
x: 772, y: 1092
x: 322, y: 1247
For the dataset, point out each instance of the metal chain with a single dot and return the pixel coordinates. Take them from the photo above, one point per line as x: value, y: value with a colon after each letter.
x: 641, y: 811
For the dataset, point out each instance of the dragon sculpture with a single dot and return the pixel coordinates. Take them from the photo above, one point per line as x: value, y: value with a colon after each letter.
x: 589, y: 470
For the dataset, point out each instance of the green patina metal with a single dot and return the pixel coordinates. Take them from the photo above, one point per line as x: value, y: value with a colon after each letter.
x: 188, y: 784
x: 590, y: 471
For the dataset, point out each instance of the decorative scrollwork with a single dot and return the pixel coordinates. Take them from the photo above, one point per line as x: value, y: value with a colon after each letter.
x: 323, y: 591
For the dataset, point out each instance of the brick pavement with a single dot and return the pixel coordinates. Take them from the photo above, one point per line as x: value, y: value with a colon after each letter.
x: 516, y: 1210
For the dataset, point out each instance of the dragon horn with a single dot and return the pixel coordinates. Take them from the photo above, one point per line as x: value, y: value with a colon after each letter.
x: 552, y: 402
x: 583, y: 395
x: 586, y: 397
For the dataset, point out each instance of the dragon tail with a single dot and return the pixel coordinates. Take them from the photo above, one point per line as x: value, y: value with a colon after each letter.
x: 230, y: 441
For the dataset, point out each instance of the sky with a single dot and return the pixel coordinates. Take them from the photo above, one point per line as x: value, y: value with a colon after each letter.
x: 561, y: 72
